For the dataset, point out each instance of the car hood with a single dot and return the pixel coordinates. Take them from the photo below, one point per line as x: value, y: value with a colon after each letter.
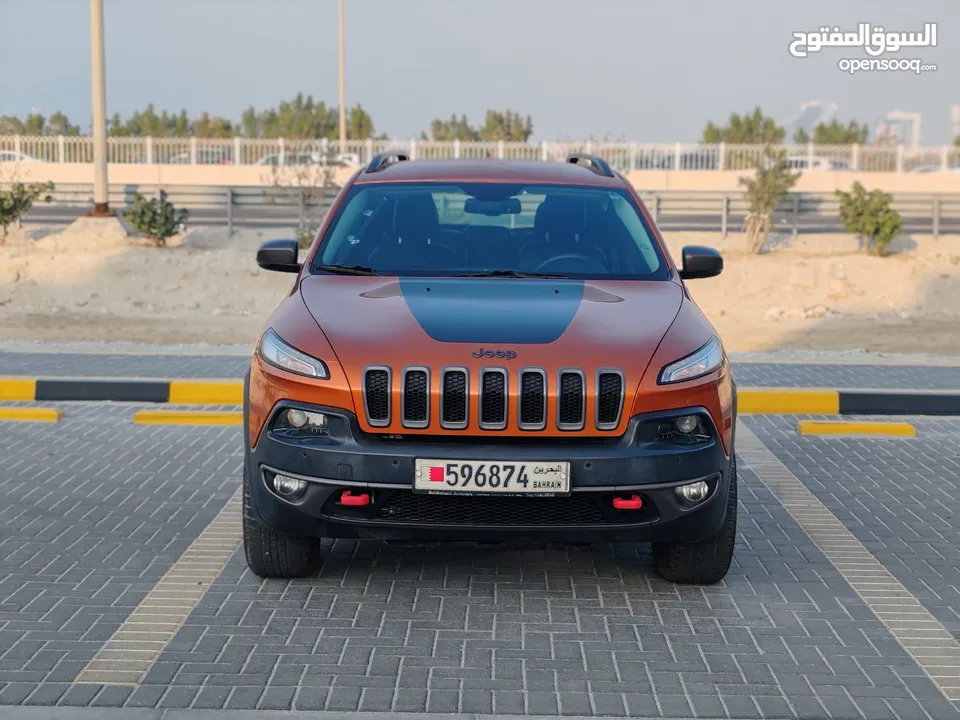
x: 523, y: 322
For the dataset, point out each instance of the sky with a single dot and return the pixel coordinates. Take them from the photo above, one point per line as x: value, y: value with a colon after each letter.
x: 604, y: 69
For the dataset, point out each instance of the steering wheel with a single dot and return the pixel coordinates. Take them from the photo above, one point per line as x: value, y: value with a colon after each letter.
x: 577, y: 257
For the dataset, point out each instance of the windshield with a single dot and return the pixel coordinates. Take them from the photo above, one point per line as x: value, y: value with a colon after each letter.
x: 477, y: 228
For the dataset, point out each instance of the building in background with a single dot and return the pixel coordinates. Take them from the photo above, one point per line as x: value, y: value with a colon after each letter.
x: 811, y: 114
x: 899, y: 127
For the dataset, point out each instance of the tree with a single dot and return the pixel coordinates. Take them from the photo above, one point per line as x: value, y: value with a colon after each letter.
x: 452, y: 129
x: 359, y: 124
x: 746, y: 129
x: 310, y: 185
x: 156, y: 218
x: 10, y: 125
x: 217, y: 127
x: 765, y: 191
x: 17, y: 201
x: 956, y: 141
x: 59, y: 124
x: 834, y: 134
x: 507, y: 125
x: 870, y: 217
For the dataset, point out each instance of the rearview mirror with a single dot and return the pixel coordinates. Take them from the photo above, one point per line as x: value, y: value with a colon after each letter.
x: 492, y: 208
x: 700, y: 262
x: 279, y: 256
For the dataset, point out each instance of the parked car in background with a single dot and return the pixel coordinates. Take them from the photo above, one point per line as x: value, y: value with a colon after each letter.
x: 205, y: 156
x: 935, y: 168
x: 802, y: 162
x: 13, y: 156
x: 309, y: 158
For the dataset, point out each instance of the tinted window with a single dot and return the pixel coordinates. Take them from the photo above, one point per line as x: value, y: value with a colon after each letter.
x: 441, y: 229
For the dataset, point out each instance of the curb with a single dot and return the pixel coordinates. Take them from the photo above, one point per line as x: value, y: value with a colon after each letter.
x: 180, y: 392
x: 773, y: 401
x: 853, y: 427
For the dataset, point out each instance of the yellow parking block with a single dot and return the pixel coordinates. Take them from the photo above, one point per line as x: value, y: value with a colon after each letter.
x: 187, y: 417
x: 854, y: 427
x: 788, y: 401
x: 30, y: 414
x: 17, y: 388
x: 206, y: 392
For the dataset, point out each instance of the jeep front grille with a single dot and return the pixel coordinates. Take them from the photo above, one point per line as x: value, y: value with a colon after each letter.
x: 533, y: 399
x: 421, y: 404
x: 609, y: 399
x: 454, y: 399
x: 571, y: 403
x: 376, y: 395
x: 494, y: 398
x: 416, y: 398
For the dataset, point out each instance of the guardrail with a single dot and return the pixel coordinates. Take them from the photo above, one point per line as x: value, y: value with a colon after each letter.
x: 288, y: 206
x: 625, y: 156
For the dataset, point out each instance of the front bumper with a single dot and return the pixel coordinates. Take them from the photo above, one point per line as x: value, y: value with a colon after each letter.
x: 351, y: 460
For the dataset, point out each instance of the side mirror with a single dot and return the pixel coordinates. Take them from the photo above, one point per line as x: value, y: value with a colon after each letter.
x: 700, y: 262
x: 279, y: 256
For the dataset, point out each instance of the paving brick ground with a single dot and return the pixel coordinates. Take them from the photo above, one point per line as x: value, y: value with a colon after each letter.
x: 93, y: 510
x: 211, y: 366
x: 900, y: 497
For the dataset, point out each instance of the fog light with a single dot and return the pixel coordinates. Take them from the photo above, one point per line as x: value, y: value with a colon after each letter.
x: 694, y: 492
x: 296, y: 418
x: 287, y: 486
x: 687, y: 424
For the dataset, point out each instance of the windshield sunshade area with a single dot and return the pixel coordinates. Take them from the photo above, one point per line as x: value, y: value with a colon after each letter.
x: 501, y: 229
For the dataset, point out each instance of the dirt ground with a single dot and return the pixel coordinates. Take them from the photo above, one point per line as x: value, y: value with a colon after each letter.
x: 814, y: 292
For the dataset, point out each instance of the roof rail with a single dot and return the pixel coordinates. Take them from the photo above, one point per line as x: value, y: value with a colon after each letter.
x: 385, y: 159
x: 593, y: 162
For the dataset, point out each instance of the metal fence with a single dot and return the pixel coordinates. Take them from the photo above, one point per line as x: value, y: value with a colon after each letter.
x: 625, y: 156
x: 285, y: 207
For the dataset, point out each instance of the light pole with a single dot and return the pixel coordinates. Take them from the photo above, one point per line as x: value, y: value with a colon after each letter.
x: 343, y: 107
x: 101, y: 206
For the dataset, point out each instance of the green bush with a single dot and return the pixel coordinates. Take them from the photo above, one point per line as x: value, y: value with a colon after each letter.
x: 769, y: 186
x: 869, y: 216
x: 306, y: 232
x: 15, y: 202
x: 156, y: 218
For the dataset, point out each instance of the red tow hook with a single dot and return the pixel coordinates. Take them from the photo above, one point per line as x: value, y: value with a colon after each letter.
x: 351, y: 500
x: 631, y: 503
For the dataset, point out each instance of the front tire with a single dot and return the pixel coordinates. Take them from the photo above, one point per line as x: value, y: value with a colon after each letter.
x: 705, y: 562
x: 270, y: 554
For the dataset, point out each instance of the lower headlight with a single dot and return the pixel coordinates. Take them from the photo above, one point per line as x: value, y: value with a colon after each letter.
x: 300, y: 419
x: 693, y: 492
x: 288, y: 486
x: 687, y: 423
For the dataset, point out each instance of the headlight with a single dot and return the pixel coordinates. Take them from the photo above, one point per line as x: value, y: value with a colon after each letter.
x: 276, y: 352
x: 703, y: 362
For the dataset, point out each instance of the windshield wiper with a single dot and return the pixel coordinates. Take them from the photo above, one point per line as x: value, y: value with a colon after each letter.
x: 347, y: 269
x: 512, y: 274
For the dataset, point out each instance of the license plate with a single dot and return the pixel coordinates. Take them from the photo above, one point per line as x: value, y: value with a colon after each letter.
x: 474, y: 477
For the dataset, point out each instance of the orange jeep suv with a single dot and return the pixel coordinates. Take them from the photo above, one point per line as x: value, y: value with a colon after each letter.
x: 490, y: 350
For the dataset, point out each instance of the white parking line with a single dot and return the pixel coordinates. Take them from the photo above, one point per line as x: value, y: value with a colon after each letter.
x: 931, y: 646
x: 131, y: 651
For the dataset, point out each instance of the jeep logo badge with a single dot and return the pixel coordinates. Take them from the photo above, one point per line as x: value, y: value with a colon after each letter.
x: 502, y: 354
